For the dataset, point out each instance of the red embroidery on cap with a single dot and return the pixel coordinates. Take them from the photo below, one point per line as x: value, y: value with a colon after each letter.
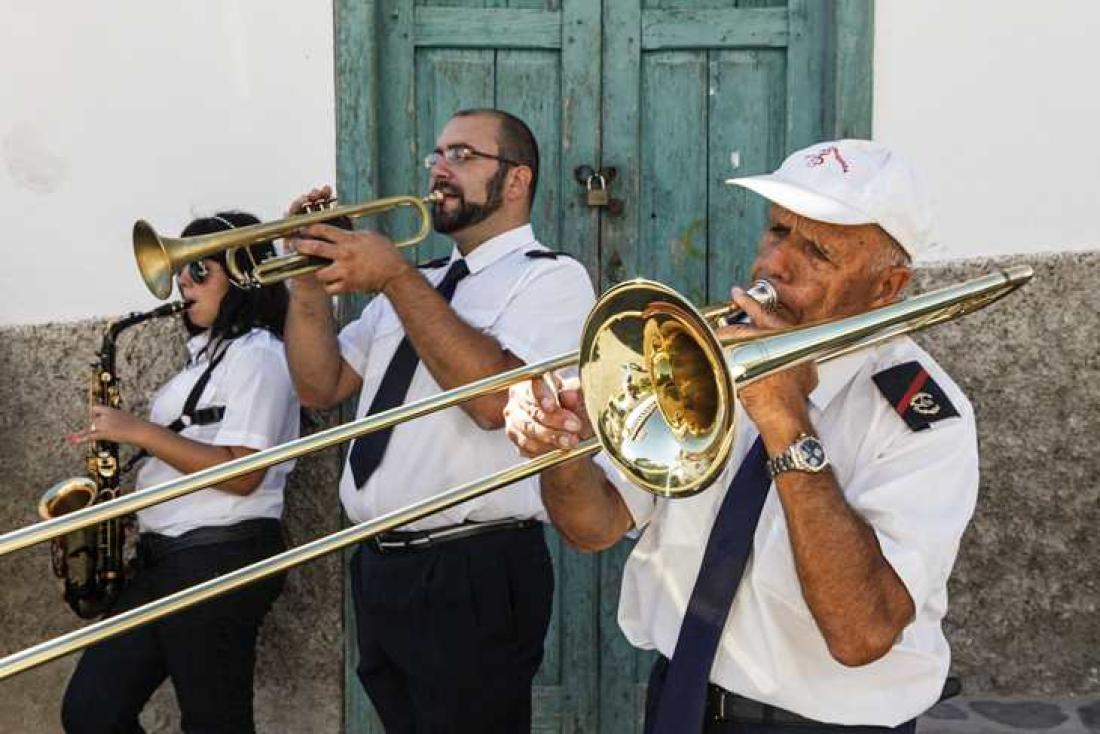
x: 818, y: 159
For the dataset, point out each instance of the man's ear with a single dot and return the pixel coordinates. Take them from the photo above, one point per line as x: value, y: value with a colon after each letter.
x: 519, y: 183
x: 891, y: 284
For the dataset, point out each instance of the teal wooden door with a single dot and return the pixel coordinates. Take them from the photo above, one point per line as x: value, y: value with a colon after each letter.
x: 676, y: 95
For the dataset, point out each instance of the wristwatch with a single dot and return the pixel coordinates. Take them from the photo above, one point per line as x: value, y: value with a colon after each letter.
x: 806, y: 454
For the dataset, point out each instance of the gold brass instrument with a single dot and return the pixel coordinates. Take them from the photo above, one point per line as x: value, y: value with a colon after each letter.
x: 659, y: 385
x: 159, y: 258
x: 90, y: 559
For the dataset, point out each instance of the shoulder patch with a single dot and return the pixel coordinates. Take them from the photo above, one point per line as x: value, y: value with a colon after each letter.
x: 547, y: 254
x: 914, y: 395
x: 437, y: 263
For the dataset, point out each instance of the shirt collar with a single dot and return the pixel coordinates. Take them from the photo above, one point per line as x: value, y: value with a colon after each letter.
x: 833, y: 375
x: 495, y: 248
x: 196, y: 344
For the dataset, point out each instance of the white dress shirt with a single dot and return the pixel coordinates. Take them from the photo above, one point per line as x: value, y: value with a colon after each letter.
x: 535, y: 308
x: 916, y: 489
x: 253, y: 383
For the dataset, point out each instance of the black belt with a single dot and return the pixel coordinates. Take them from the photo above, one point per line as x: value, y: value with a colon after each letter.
x: 153, y: 547
x: 415, y: 541
x: 725, y: 706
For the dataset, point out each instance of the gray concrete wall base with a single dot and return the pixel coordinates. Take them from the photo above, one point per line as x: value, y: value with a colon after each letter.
x: 46, y: 369
x: 1024, y: 595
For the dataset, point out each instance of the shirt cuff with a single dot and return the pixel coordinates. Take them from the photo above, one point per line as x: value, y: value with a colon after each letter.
x: 908, y: 565
x: 638, y: 502
x: 355, y: 357
x: 248, y: 440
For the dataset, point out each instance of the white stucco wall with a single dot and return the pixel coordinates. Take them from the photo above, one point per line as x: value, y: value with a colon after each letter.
x: 997, y: 102
x: 111, y: 112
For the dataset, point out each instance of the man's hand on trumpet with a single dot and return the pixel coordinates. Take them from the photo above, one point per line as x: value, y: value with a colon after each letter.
x: 537, y: 423
x: 361, y: 261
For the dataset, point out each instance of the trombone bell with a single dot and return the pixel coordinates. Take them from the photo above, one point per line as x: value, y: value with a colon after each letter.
x: 656, y: 388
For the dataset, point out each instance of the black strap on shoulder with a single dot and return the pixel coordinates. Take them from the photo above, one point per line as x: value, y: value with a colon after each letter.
x: 189, y: 416
x: 437, y: 263
x: 547, y: 254
x: 208, y: 415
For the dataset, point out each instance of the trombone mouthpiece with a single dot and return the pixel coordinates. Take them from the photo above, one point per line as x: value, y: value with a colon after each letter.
x: 764, y: 293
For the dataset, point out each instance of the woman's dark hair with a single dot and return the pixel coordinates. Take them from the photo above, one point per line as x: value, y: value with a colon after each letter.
x: 241, y: 310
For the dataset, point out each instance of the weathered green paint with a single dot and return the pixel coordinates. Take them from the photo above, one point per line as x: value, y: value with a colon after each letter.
x: 668, y: 29
x: 806, y: 66
x: 489, y: 28
x: 751, y: 107
x: 850, y: 103
x: 678, y: 95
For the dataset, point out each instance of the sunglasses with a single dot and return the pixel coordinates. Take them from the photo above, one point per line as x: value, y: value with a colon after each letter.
x: 198, y: 271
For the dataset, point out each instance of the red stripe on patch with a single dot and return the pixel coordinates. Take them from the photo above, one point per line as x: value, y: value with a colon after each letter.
x: 914, y: 388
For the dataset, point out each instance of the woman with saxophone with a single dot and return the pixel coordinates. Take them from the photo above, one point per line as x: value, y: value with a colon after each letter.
x: 233, y: 397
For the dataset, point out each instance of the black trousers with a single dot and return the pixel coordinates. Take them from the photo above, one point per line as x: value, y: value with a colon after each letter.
x: 209, y: 650
x: 450, y: 637
x: 765, y: 723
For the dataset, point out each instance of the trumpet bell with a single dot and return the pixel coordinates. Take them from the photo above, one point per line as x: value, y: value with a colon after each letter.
x: 153, y: 259
x: 656, y: 388
x: 67, y: 496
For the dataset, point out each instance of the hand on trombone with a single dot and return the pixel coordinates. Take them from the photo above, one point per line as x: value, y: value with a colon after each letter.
x: 539, y: 421
x: 776, y: 404
x: 361, y: 261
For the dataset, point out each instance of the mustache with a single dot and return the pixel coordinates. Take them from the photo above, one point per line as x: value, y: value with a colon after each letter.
x: 446, y: 188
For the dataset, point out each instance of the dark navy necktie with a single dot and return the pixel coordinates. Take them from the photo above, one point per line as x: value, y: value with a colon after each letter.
x: 684, y: 695
x: 367, y: 451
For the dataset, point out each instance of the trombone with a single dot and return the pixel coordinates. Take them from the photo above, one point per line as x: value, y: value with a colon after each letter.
x: 659, y: 385
x: 159, y: 258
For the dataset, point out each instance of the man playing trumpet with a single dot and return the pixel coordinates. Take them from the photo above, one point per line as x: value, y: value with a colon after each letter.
x: 451, y: 611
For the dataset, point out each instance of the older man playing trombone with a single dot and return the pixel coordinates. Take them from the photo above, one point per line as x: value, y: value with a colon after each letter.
x: 810, y: 593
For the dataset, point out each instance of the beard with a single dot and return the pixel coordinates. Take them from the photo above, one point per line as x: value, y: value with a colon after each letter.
x: 467, y: 214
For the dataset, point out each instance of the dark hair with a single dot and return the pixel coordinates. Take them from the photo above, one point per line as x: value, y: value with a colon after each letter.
x: 241, y: 310
x: 516, y: 142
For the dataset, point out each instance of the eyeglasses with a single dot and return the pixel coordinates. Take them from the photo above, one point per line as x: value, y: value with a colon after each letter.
x: 456, y: 155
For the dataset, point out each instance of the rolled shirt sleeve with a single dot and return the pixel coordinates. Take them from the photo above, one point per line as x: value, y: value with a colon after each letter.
x: 639, y: 503
x: 355, y: 338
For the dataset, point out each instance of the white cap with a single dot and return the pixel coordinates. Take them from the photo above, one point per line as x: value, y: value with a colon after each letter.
x: 852, y: 182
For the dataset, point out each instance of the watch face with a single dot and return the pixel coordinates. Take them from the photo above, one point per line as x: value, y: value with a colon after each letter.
x: 811, y: 454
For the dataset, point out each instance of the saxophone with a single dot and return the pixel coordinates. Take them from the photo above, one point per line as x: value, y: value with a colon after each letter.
x: 90, y: 560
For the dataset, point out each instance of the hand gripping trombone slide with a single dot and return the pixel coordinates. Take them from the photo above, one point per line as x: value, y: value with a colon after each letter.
x: 659, y: 385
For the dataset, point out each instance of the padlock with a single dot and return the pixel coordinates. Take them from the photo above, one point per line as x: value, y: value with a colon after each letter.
x: 597, y: 195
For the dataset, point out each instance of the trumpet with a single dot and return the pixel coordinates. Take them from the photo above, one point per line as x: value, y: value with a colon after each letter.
x: 659, y: 384
x: 159, y: 258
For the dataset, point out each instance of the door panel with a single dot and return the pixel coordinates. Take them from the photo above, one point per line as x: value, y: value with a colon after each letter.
x: 677, y: 95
